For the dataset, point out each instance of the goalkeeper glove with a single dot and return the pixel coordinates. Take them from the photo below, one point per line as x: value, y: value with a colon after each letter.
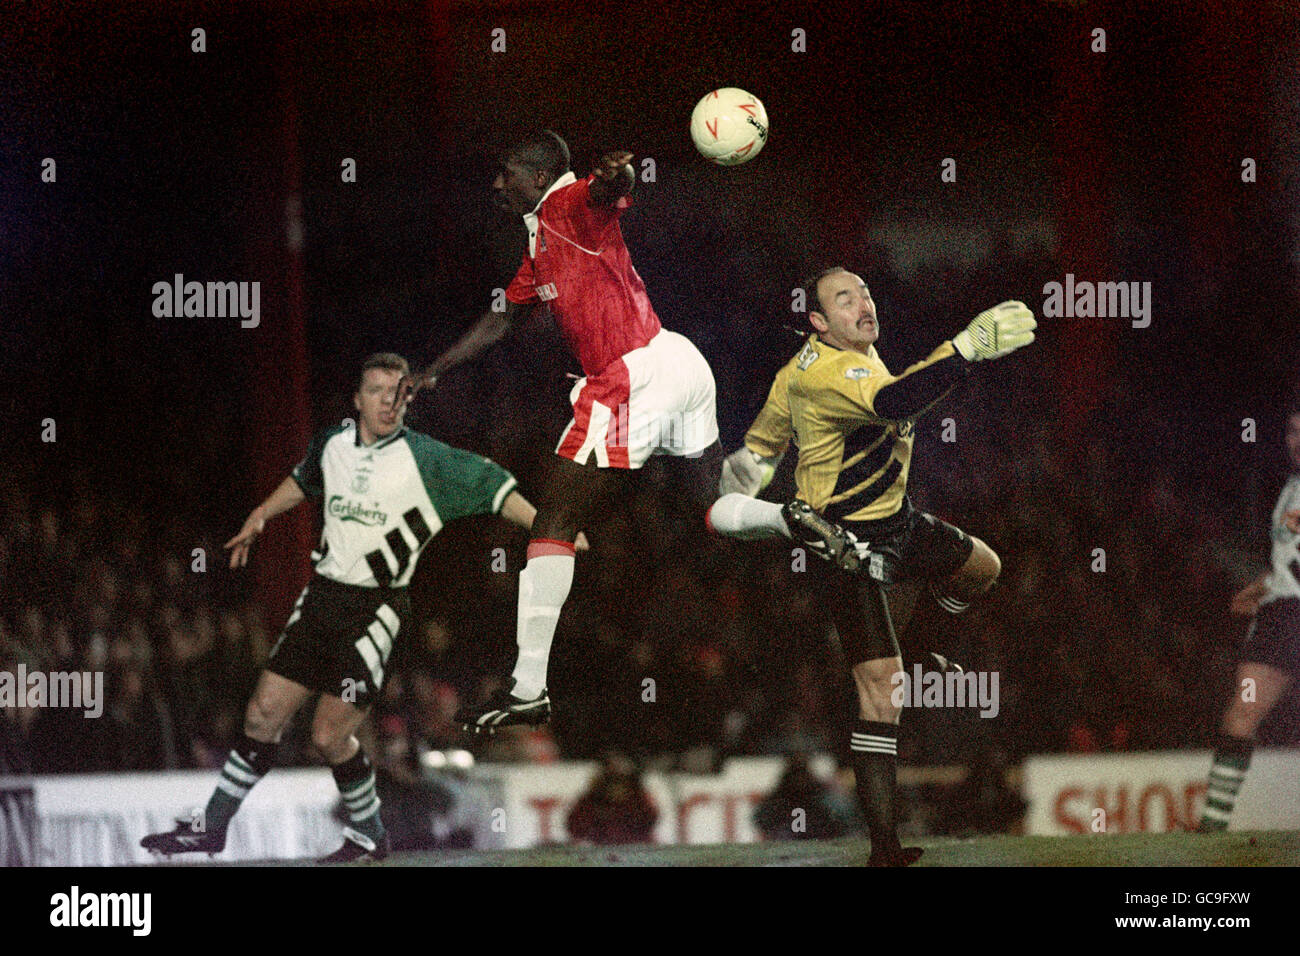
x: 996, y: 332
x: 746, y: 473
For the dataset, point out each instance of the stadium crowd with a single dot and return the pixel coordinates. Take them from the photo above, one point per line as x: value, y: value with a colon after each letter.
x: 681, y: 651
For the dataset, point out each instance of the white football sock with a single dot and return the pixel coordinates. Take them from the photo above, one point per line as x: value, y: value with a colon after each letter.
x: 746, y: 518
x: 544, y: 585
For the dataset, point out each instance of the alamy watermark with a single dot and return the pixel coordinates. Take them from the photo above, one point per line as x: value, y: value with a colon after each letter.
x: 1098, y: 300
x: 71, y: 689
x: 210, y: 300
x: 74, y: 909
x: 946, y: 689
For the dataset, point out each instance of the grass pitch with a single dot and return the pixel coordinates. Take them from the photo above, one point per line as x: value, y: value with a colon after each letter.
x: 1263, y: 848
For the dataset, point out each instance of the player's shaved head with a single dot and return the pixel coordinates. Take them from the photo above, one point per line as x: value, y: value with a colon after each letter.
x: 542, y: 151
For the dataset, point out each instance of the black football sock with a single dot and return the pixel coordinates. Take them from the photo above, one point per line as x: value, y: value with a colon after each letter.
x: 248, y: 763
x: 946, y: 598
x: 1231, y: 761
x: 874, y: 750
x: 356, y: 782
x: 935, y: 627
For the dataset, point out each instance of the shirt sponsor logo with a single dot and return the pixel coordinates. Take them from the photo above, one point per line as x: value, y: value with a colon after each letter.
x: 346, y: 510
x: 856, y: 373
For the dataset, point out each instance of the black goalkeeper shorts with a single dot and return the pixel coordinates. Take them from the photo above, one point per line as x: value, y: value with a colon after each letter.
x: 920, y: 547
x: 1273, y: 637
x: 338, y: 639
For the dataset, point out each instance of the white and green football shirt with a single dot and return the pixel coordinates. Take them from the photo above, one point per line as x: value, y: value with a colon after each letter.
x: 384, y: 502
x: 1283, y: 578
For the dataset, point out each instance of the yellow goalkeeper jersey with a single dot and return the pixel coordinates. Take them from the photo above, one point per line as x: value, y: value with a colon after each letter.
x: 853, y: 464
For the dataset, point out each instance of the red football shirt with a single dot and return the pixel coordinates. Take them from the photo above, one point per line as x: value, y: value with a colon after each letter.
x: 580, y: 265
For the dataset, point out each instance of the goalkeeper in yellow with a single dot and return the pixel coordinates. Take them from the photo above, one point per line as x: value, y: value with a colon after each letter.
x: 853, y: 421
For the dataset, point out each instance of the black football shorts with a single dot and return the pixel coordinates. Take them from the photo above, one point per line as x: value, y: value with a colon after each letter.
x: 916, y: 546
x: 1273, y: 637
x: 338, y: 639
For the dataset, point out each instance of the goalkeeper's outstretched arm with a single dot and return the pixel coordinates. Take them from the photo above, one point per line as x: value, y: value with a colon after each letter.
x: 749, y: 469
x: 996, y: 332
x: 921, y: 385
x: 992, y: 334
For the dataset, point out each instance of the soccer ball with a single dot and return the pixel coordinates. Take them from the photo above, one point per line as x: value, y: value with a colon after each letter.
x: 729, y: 126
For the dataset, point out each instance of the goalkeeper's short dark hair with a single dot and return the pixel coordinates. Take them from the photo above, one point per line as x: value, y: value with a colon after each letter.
x: 542, y: 151
x: 389, y: 361
x: 811, y: 300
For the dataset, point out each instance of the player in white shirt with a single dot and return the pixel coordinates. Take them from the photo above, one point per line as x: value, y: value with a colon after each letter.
x: 385, y: 491
x: 1270, y: 655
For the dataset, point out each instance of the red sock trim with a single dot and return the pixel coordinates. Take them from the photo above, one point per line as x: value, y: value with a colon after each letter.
x: 541, y: 547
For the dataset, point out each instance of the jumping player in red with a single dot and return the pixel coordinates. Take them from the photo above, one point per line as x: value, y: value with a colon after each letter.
x: 646, y: 391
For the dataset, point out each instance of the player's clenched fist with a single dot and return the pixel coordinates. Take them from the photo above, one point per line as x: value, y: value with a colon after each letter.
x: 612, y: 165
x: 996, y: 332
x: 612, y: 178
x: 745, y: 472
x: 405, y: 391
x: 409, y: 386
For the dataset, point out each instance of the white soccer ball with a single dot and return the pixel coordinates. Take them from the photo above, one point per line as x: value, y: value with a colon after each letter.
x: 729, y: 126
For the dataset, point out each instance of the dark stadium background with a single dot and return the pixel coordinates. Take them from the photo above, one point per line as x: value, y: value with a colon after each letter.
x: 1122, y: 166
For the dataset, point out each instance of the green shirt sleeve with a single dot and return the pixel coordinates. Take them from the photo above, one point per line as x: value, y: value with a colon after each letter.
x: 308, y: 472
x: 460, y: 483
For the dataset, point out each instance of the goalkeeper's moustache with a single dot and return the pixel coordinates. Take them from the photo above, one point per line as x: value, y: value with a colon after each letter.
x: 996, y: 332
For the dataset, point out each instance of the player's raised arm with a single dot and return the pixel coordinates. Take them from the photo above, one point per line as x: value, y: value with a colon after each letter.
x: 992, y: 334
x: 490, y: 327
x: 288, y: 495
x: 921, y: 385
x: 614, y: 178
